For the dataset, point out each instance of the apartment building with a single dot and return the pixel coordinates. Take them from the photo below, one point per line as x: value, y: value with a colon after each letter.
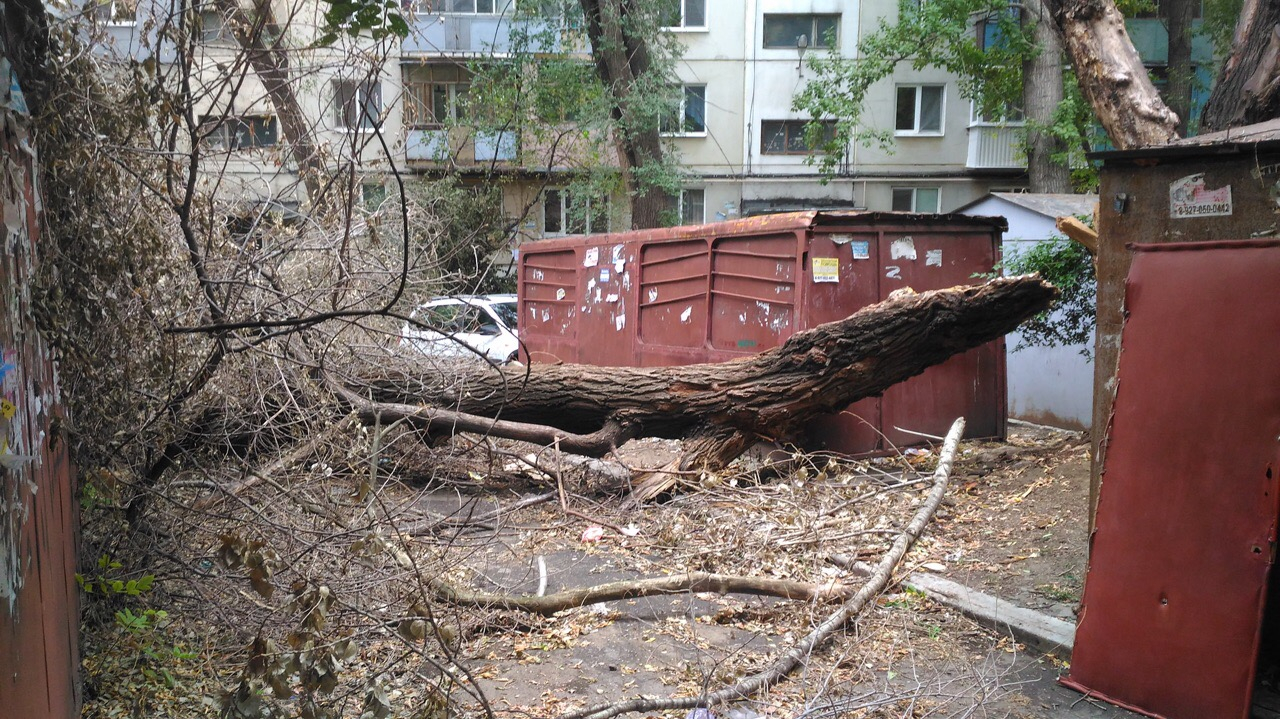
x: 396, y: 103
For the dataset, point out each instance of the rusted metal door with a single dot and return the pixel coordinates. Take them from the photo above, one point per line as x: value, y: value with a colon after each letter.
x: 1186, y: 521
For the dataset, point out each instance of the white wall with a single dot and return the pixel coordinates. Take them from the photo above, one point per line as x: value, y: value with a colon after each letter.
x: 1047, y: 385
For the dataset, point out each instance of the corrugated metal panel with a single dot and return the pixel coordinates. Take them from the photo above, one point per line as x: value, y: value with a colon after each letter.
x: 1186, y: 521
x: 714, y: 292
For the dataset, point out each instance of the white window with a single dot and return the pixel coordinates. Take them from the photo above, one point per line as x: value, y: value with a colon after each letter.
x: 357, y: 105
x: 684, y: 13
x: 566, y: 213
x: 919, y: 110
x: 1010, y: 115
x: 459, y: 7
x: 693, y: 206
x: 915, y: 199
x: 690, y: 117
x: 796, y: 30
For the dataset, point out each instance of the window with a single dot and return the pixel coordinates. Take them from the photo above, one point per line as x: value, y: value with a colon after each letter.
x: 1009, y: 114
x: 240, y: 133
x: 357, y: 105
x: 460, y: 7
x: 915, y: 199
x: 431, y: 104
x: 919, y: 110
x: 693, y: 206
x: 566, y: 213
x: 691, y: 115
x: 801, y: 30
x: 684, y: 13
x: 786, y: 137
x: 213, y: 26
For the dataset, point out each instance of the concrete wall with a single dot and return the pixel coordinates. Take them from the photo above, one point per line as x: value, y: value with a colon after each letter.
x: 1047, y: 385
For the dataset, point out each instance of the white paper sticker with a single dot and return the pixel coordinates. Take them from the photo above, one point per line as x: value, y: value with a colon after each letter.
x: 560, y: 293
x: 933, y: 258
x: 903, y: 248
x: 592, y: 258
x: 653, y: 294
x: 684, y: 316
x: 842, y: 239
x: 619, y: 322
x: 610, y: 298
x: 618, y: 266
x: 1188, y: 197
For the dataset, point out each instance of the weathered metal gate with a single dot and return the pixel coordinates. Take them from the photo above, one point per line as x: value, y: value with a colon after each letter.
x: 1186, y: 522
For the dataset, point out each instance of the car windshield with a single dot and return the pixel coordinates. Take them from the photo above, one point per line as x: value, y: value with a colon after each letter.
x: 506, y: 311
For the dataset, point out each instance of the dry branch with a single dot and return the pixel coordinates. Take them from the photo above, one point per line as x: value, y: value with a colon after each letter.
x: 788, y: 662
x: 636, y: 588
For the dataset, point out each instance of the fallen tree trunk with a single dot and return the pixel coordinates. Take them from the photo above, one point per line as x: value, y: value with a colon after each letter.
x: 718, y: 409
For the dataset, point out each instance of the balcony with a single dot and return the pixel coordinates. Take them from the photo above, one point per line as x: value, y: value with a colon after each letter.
x: 458, y: 146
x: 996, y: 146
x: 463, y: 34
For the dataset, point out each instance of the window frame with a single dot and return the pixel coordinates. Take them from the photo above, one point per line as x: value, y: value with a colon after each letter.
x: 420, y: 98
x: 565, y: 214
x: 915, y: 199
x: 683, y: 206
x: 682, y: 113
x: 442, y: 7
x: 360, y: 90
x: 812, y: 37
x: 684, y: 15
x: 225, y: 135
x: 788, y: 125
x: 919, y: 88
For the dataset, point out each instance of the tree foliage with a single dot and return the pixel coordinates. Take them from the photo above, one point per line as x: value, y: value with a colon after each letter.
x: 927, y: 34
x: 1070, y: 321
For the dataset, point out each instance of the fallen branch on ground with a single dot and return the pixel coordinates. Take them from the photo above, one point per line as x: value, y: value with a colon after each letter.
x: 786, y: 664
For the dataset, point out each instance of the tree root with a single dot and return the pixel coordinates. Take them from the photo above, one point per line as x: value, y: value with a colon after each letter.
x: 779, y: 670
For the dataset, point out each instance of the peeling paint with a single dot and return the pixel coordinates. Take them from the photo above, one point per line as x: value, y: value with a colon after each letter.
x: 684, y: 316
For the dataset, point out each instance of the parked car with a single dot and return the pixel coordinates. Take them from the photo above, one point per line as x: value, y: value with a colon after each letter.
x: 465, y: 326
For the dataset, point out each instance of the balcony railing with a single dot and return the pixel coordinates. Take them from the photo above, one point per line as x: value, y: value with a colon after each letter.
x: 996, y: 146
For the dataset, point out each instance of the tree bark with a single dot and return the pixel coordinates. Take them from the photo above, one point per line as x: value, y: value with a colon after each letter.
x: 1248, y: 87
x: 622, y: 59
x: 1111, y: 74
x: 1041, y: 95
x: 721, y: 409
x: 1177, y: 16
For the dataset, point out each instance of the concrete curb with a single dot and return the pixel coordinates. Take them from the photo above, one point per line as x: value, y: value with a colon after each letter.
x: 1040, y: 631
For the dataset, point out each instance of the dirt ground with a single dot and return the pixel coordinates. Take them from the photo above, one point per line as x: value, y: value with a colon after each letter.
x: 1013, y: 524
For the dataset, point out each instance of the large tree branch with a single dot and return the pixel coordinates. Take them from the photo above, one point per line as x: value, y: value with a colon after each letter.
x: 1111, y: 74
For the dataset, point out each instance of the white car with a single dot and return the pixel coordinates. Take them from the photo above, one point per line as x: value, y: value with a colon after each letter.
x: 465, y: 326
